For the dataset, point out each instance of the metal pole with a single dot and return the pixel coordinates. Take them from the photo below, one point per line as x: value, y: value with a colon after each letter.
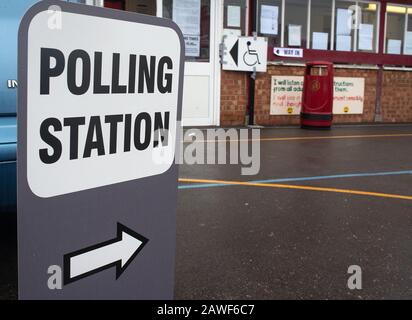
x: 253, y: 74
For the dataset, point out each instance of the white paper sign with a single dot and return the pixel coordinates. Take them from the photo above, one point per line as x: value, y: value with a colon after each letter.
x: 394, y: 46
x: 294, y: 35
x: 343, y: 22
x: 320, y: 40
x: 186, y: 14
x: 233, y: 16
x: 192, y: 45
x: 366, y: 37
x: 269, y: 19
x: 343, y: 43
x: 408, y: 43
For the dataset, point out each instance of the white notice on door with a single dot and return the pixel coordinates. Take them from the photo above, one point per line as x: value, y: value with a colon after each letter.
x: 233, y: 16
x: 269, y: 19
x: 192, y: 45
x: 186, y: 13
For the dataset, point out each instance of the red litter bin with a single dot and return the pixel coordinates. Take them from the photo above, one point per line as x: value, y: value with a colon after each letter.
x: 317, y: 97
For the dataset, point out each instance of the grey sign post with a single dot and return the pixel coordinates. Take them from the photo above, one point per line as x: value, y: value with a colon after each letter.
x: 100, y: 95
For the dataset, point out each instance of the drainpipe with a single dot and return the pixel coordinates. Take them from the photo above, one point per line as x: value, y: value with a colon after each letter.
x: 379, y: 80
x: 252, y: 31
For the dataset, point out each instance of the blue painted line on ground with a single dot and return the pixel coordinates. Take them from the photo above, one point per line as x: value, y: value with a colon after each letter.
x: 336, y: 176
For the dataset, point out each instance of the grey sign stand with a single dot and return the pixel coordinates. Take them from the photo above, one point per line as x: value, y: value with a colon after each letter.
x: 79, y: 236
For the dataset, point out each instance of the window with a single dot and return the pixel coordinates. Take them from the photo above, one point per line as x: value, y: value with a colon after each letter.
x: 234, y: 17
x: 342, y: 25
x: 398, y: 33
x: 269, y: 21
x: 320, y: 24
x: 367, y: 30
x: 408, y: 37
x: 345, y: 12
x: 296, y: 14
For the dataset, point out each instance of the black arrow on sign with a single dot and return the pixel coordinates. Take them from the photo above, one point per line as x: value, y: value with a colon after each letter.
x: 234, y: 51
x: 118, y: 252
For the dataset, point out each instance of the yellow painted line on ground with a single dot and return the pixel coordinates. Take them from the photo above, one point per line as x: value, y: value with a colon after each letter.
x: 392, y: 135
x: 289, y: 186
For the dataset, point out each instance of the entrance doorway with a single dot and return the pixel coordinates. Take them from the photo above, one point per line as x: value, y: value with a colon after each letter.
x: 199, y: 21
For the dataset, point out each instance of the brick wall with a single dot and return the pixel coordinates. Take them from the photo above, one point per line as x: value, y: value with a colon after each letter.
x: 262, y: 100
x: 233, y: 98
x: 397, y: 96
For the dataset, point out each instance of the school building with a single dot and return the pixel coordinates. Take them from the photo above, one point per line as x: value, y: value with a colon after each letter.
x: 369, y: 42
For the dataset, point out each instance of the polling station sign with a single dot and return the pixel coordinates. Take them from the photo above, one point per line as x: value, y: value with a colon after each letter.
x: 99, y: 101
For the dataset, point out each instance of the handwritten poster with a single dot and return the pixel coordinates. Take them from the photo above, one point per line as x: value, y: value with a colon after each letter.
x: 286, y: 95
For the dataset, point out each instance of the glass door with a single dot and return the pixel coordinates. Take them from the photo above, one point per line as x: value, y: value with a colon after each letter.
x: 196, y: 19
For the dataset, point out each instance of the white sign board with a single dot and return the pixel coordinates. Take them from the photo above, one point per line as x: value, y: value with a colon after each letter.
x: 101, y: 102
x: 245, y: 53
x: 97, y: 126
x: 286, y: 95
x: 288, y: 52
x: 348, y: 96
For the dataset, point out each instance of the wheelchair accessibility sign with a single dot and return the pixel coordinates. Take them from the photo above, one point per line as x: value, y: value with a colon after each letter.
x: 245, y: 53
